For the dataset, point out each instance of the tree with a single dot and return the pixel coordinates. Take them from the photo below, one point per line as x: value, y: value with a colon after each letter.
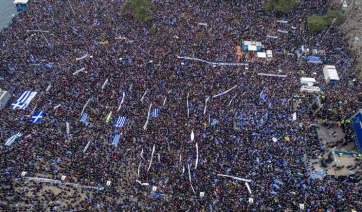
x: 316, y: 23
x: 280, y: 5
x: 333, y: 14
x: 140, y: 9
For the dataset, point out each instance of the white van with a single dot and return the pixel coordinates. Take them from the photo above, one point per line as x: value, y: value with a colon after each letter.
x: 310, y: 89
x: 307, y: 81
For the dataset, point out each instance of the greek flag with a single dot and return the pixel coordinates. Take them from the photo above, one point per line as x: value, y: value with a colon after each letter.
x: 263, y: 96
x: 36, y: 118
x: 84, y: 119
x: 23, y: 100
x: 155, y: 112
x: 121, y: 121
x: 116, y: 139
x: 12, y: 139
x: 214, y: 122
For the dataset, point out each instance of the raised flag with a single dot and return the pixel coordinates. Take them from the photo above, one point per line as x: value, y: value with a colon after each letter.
x: 116, y: 139
x: 12, y: 139
x: 23, y: 100
x: 214, y: 122
x: 263, y: 96
x: 84, y: 118
x: 36, y: 118
x: 155, y: 112
x: 121, y: 121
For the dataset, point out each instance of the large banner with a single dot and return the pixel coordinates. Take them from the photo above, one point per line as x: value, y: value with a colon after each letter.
x: 357, y: 124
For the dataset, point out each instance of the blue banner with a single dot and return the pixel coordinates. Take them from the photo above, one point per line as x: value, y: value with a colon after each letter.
x: 357, y: 125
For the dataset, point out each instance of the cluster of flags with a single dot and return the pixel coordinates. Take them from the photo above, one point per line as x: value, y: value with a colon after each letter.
x: 23, y: 100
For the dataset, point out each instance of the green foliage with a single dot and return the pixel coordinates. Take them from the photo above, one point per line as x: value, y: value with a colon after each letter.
x: 153, y: 30
x: 201, y: 33
x: 328, y: 18
x: 316, y: 23
x: 280, y: 5
x: 140, y: 9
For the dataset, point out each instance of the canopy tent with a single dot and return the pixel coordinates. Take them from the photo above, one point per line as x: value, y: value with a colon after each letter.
x: 252, y: 46
x: 330, y: 74
x: 269, y: 54
x: 261, y: 54
x: 21, y: 1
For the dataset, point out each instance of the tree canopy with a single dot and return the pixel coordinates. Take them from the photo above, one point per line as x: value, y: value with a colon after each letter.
x: 140, y: 9
x: 333, y: 14
x: 318, y: 23
x: 280, y: 5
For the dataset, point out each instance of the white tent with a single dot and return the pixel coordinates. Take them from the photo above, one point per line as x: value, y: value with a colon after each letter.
x: 21, y: 1
x: 261, y: 54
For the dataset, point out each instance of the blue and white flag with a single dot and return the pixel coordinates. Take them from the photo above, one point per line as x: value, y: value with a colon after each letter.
x: 214, y: 122
x: 50, y: 65
x: 23, y: 100
x: 32, y: 58
x: 263, y: 96
x: 12, y: 139
x: 121, y: 121
x: 155, y: 112
x: 84, y: 118
x: 313, y: 58
x: 116, y: 139
x: 36, y: 118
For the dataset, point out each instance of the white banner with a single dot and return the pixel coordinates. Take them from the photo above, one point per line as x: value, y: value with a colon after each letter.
x: 282, y: 31
x: 213, y: 63
x: 105, y: 83
x: 148, y: 116
x: 153, y: 151
x: 86, y: 147
x: 222, y: 93
x: 80, y: 70
x: 83, y: 57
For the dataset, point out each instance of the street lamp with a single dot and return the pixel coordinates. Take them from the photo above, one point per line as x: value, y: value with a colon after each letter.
x: 334, y: 20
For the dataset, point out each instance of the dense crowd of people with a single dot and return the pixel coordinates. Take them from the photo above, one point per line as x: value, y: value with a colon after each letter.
x: 270, y: 148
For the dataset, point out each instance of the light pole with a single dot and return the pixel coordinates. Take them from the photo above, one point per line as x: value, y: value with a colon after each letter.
x: 334, y: 20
